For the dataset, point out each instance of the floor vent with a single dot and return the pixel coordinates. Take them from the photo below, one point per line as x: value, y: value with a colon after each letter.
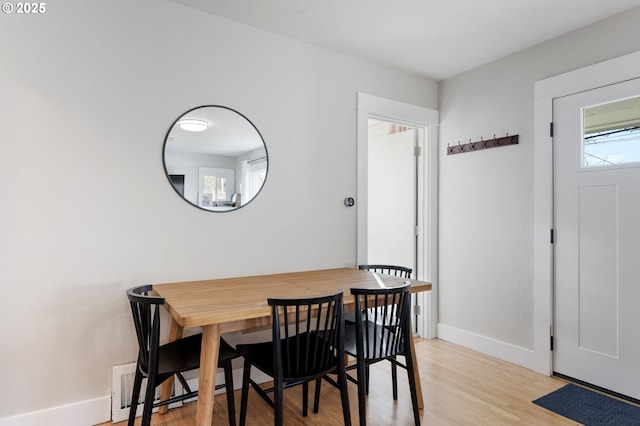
x: 122, y: 386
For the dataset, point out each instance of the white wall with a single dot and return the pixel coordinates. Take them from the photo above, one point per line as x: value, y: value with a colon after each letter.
x: 486, y: 197
x: 88, y: 92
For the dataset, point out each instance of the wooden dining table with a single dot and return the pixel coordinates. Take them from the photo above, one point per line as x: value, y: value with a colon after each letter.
x: 240, y: 304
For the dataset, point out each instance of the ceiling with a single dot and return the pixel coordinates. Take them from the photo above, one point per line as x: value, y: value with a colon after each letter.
x: 228, y: 133
x: 437, y: 39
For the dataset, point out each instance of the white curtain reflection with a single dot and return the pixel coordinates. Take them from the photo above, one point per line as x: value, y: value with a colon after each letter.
x: 254, y: 173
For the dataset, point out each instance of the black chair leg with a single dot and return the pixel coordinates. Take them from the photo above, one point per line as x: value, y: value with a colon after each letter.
x: 344, y: 396
x: 362, y: 384
x: 245, y: 393
x: 228, y: 381
x: 135, y: 396
x: 148, y: 401
x: 367, y: 380
x: 412, y: 389
x: 305, y: 399
x: 278, y: 401
x: 394, y: 380
x: 316, y: 399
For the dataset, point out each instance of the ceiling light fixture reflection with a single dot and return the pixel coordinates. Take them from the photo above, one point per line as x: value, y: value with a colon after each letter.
x: 193, y: 125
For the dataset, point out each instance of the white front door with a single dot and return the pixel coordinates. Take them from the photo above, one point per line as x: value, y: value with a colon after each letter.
x: 597, y: 237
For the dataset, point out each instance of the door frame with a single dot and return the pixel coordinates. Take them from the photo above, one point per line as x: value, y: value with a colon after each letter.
x: 369, y: 106
x: 545, y: 91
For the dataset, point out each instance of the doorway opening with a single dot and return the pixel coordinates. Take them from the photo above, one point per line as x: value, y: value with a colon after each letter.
x: 397, y: 194
x: 393, y: 235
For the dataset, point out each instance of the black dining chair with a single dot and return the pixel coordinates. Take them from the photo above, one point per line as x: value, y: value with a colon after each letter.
x: 382, y: 333
x: 158, y: 363
x: 396, y: 271
x: 307, y: 344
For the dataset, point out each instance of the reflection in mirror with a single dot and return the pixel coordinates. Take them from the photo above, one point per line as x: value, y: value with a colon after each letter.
x: 611, y: 133
x: 215, y: 158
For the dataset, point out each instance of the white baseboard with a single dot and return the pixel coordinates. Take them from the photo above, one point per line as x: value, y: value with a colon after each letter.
x: 98, y: 410
x: 506, y: 351
x: 89, y: 412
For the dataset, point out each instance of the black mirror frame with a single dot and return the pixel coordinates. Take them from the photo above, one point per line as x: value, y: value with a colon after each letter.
x: 168, y: 176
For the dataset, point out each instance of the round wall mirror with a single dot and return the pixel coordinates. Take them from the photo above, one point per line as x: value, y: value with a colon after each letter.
x: 215, y: 158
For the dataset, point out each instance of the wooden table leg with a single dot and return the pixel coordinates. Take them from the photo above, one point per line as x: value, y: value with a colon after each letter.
x: 175, y: 333
x: 208, y: 368
x: 416, y: 374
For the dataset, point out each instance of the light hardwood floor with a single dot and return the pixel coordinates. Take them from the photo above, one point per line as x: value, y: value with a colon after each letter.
x: 460, y: 386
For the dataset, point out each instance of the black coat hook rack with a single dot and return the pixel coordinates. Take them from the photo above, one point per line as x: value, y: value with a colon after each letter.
x: 482, y: 144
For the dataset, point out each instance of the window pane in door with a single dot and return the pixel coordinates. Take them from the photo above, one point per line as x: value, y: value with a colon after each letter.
x: 611, y: 133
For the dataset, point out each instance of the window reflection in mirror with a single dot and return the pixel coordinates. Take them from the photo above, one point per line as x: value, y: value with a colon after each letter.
x: 215, y: 158
x: 611, y: 133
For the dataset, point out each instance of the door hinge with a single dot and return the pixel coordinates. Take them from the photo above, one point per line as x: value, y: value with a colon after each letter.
x: 417, y: 231
x: 551, y: 129
x: 417, y: 151
x: 552, y: 236
x: 417, y: 310
x: 551, y: 346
